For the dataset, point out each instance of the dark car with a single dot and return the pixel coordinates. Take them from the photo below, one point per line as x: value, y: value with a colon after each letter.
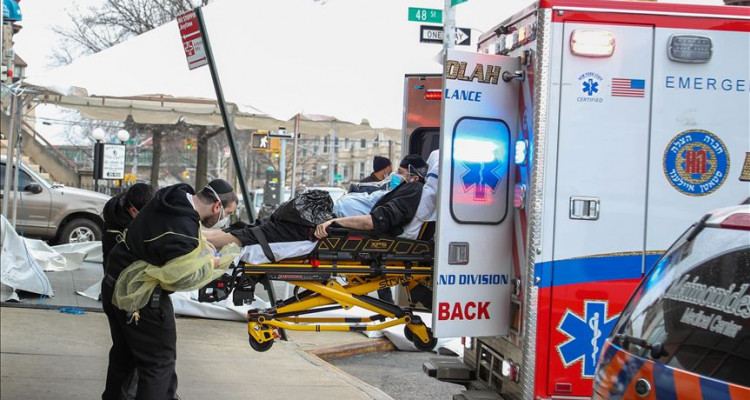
x: 685, y: 334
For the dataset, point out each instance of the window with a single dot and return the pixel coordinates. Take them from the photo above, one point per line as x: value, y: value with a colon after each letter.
x: 363, y: 144
x: 480, y: 171
x: 325, y: 144
x: 336, y: 145
x: 695, y: 302
x: 346, y: 144
x: 24, y: 179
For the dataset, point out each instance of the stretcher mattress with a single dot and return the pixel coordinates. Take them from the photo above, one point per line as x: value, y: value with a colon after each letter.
x: 254, y: 255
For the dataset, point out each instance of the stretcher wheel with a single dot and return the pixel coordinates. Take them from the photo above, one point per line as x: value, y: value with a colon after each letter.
x: 425, y: 346
x: 260, y: 347
x: 408, y: 333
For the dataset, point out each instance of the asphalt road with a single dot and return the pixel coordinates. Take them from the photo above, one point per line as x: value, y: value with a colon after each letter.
x: 399, y: 374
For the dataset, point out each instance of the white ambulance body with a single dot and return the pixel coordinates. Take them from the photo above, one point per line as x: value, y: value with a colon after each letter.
x: 612, y: 127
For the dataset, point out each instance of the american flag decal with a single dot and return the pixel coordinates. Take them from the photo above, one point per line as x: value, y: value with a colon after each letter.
x: 622, y: 87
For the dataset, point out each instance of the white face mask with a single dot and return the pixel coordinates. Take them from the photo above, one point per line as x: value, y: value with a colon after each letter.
x: 222, y: 223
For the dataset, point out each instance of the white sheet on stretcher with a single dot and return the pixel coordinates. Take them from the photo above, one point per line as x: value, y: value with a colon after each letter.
x: 254, y: 255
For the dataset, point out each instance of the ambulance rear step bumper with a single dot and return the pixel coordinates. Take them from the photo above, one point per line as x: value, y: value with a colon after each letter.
x: 477, y: 395
x: 449, y: 370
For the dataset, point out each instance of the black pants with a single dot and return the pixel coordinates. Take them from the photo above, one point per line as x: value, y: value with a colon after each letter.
x: 148, y: 347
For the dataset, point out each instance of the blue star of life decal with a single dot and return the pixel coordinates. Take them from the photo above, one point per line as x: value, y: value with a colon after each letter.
x: 480, y: 176
x: 586, y: 334
x: 590, y: 87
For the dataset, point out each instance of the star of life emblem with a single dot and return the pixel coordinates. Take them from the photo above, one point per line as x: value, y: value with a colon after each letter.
x: 480, y: 177
x: 586, y: 334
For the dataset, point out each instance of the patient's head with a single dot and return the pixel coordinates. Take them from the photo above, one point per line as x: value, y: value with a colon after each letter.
x: 413, y: 168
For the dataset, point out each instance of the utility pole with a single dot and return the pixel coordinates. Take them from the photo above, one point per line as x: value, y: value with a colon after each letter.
x: 449, y: 27
x: 331, y: 148
x: 294, y: 155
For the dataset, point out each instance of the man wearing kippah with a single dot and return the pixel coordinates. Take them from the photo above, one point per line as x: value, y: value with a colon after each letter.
x: 165, y: 229
x: 381, y: 167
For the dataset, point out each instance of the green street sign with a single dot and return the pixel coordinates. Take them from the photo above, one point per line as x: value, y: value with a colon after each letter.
x: 338, y: 177
x: 426, y: 15
x: 456, y: 2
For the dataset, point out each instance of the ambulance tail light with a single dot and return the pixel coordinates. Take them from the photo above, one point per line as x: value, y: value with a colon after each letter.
x: 433, y: 94
x: 737, y: 221
x: 510, y: 370
x: 592, y: 43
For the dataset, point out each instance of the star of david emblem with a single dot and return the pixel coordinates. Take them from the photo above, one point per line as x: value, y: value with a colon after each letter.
x: 586, y: 334
x: 481, y: 176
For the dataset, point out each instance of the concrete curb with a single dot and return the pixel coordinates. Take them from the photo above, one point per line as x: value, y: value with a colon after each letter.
x: 352, y: 349
x: 322, y: 355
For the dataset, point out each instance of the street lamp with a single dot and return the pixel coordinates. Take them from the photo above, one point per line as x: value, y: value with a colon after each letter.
x: 123, y: 136
x: 98, y: 135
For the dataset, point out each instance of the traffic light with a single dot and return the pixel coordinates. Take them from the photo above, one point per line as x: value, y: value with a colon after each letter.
x: 190, y: 144
x: 3, y: 73
x: 185, y: 175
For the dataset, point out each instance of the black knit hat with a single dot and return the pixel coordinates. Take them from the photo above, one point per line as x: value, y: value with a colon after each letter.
x: 380, y: 163
x: 220, y: 186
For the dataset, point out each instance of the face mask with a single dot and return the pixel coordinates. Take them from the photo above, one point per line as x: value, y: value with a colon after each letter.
x: 396, y: 180
x: 222, y: 223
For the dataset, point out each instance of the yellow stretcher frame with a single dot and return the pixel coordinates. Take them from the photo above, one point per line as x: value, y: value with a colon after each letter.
x: 360, y: 280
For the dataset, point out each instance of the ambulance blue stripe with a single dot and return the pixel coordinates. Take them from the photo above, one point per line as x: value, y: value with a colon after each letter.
x: 626, y: 375
x: 664, y: 382
x: 593, y: 269
x: 714, y: 390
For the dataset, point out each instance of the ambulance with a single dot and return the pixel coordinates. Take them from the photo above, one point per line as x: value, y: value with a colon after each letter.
x: 576, y: 143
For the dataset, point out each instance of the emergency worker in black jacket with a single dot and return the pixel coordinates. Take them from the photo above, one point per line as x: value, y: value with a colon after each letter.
x: 119, y: 211
x: 166, y: 228
x: 394, y: 210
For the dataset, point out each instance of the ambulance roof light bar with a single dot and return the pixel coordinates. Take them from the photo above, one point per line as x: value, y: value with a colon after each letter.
x: 592, y: 43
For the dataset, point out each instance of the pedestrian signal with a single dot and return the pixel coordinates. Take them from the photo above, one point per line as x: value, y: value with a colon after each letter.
x: 260, y: 141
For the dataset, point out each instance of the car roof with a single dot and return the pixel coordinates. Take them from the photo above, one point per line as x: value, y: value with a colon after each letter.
x: 733, y: 217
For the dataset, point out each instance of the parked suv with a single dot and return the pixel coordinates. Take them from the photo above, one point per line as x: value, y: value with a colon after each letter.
x: 685, y: 334
x: 55, y: 212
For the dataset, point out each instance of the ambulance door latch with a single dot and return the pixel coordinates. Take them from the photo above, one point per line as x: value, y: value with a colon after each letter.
x: 458, y: 253
x: 517, y: 75
x: 586, y: 208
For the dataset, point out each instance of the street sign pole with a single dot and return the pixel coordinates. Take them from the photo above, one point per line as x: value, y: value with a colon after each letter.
x: 228, y: 126
x: 294, y: 156
x: 449, y: 27
x: 229, y: 129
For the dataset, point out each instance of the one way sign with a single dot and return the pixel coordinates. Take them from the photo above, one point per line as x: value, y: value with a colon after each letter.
x: 434, y: 34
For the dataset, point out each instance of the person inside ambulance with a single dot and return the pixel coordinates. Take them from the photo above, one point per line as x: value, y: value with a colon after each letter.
x: 427, y: 210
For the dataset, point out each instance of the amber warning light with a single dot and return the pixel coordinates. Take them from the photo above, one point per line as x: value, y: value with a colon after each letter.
x: 434, y: 94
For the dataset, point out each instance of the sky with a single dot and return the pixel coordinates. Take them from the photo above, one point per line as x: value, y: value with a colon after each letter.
x: 37, y: 40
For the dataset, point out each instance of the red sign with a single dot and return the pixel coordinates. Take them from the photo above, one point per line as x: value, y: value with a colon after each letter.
x: 192, y: 40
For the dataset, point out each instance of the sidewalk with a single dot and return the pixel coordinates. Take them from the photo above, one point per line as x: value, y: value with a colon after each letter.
x: 45, y: 354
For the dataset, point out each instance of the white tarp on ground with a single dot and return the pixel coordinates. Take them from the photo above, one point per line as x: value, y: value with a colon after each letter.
x: 18, y: 270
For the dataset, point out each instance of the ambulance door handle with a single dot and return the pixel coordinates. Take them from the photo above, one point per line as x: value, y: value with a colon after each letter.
x: 458, y: 253
x: 517, y: 75
x: 585, y: 208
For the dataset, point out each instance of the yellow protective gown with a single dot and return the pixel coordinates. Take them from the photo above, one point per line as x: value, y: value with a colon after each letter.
x: 188, y: 272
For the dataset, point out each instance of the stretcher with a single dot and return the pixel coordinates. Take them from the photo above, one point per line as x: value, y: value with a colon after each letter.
x: 337, y: 273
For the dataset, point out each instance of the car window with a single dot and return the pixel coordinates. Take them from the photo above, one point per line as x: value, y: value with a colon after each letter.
x: 23, y: 179
x: 696, y: 303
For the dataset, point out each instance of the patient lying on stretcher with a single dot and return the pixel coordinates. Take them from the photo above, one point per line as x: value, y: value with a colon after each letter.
x: 399, y: 211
